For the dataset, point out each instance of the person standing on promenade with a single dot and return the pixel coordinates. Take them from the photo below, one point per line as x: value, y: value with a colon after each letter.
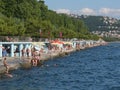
x: 4, y: 52
x: 23, y: 52
x: 28, y: 52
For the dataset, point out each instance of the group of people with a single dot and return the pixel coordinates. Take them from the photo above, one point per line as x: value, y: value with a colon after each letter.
x: 25, y: 52
x: 35, y: 55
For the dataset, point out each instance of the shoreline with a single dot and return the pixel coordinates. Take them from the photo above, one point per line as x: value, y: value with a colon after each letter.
x: 25, y: 62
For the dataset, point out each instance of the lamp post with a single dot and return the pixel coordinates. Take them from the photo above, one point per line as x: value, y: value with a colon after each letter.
x: 60, y: 35
x: 40, y: 31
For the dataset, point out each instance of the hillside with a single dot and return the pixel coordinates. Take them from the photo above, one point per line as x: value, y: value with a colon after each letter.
x: 103, y: 26
x: 33, y: 18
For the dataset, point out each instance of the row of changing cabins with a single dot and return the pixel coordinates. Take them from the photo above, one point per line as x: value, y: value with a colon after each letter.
x: 20, y: 45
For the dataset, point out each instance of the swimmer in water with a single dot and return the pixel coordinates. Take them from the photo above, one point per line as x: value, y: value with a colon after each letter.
x: 55, y: 64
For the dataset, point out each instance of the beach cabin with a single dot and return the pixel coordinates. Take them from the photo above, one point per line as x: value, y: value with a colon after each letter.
x: 13, y: 48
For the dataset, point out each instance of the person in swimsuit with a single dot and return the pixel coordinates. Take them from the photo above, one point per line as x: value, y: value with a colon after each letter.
x: 6, y: 65
x: 7, y: 69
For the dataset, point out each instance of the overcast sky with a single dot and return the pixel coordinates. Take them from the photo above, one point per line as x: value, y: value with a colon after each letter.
x: 86, y: 7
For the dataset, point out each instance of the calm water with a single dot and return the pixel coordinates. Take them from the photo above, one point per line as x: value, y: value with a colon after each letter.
x: 96, y: 68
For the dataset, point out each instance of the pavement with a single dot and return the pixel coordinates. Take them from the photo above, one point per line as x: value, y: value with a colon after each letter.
x: 23, y: 62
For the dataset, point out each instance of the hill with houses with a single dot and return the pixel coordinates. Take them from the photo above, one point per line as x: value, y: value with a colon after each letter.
x: 104, y: 26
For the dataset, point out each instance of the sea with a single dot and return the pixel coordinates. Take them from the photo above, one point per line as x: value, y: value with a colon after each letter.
x: 96, y: 68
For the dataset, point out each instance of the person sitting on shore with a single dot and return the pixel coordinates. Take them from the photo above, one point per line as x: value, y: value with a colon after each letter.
x: 6, y: 65
x: 34, y: 62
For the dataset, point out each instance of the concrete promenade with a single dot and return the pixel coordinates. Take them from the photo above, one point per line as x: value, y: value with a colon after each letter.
x: 25, y: 62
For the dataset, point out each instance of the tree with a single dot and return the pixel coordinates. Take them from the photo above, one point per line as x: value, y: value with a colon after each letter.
x: 27, y: 17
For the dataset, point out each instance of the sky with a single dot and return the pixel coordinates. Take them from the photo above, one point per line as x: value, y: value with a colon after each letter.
x: 109, y: 8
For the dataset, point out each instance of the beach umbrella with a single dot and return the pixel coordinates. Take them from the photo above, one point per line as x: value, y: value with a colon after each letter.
x: 70, y: 43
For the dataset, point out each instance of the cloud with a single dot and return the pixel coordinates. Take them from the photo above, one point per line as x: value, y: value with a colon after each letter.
x: 88, y: 11
x: 109, y: 11
x: 66, y: 11
x: 104, y: 11
x: 85, y: 11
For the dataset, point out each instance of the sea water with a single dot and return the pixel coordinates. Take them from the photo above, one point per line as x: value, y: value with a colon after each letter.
x: 96, y: 68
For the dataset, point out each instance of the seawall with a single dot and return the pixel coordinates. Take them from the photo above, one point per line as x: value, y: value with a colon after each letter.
x: 25, y: 62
